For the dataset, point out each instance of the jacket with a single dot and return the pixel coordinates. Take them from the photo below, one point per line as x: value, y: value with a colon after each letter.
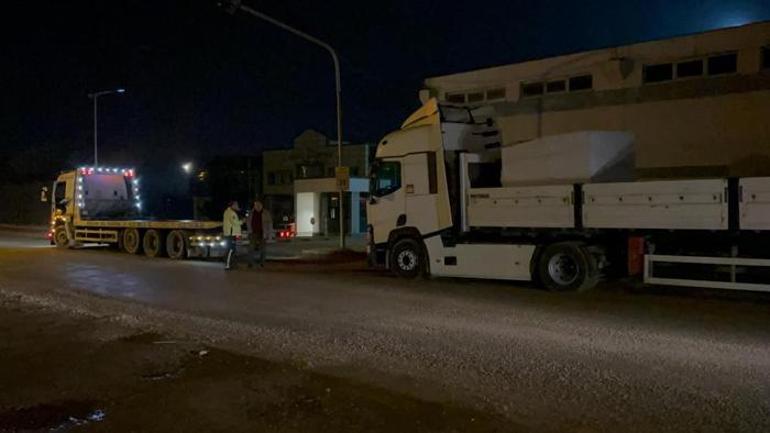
x: 267, y: 224
x: 231, y: 224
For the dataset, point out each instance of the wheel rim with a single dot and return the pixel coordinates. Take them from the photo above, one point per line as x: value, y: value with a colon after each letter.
x: 176, y: 245
x: 563, y: 269
x: 131, y: 240
x: 153, y: 241
x: 407, y: 260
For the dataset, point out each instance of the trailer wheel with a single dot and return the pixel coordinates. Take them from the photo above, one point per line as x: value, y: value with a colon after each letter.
x: 131, y: 241
x: 407, y: 259
x: 152, y: 243
x: 568, y: 266
x: 176, y: 244
x: 60, y: 237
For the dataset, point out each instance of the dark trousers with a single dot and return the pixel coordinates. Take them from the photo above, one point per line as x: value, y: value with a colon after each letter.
x: 257, y: 249
x: 231, y: 253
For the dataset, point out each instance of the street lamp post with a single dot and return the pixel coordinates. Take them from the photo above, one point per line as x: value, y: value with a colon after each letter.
x: 233, y: 6
x: 95, y: 96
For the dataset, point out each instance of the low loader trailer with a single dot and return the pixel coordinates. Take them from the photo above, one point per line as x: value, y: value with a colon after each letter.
x: 103, y: 205
x: 448, y: 199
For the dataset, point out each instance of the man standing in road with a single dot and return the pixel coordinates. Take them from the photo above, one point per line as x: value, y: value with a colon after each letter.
x: 259, y: 225
x: 231, y: 226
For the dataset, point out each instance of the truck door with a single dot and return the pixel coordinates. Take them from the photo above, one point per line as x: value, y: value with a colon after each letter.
x: 64, y: 194
x: 386, y: 208
x: 420, y: 190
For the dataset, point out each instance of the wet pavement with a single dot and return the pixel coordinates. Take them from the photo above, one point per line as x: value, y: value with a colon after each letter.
x: 616, y: 359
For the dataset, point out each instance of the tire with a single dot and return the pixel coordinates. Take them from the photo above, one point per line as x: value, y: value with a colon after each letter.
x: 132, y: 241
x: 568, y: 266
x: 60, y: 237
x: 176, y: 244
x: 152, y: 243
x: 407, y: 259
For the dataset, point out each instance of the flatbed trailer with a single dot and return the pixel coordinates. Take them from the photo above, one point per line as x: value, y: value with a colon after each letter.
x: 430, y: 214
x: 81, y: 198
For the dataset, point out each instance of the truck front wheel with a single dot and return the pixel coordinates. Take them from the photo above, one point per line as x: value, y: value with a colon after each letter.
x: 407, y: 259
x: 567, y: 266
x: 131, y: 241
x: 152, y: 243
x: 60, y: 237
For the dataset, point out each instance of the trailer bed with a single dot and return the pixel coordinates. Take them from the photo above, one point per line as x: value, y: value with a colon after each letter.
x: 151, y: 224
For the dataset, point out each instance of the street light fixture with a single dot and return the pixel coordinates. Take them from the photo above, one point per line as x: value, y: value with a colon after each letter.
x: 95, y: 96
x: 187, y: 167
x: 232, y: 6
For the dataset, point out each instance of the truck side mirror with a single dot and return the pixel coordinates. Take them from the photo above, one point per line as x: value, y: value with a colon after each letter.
x: 44, y: 194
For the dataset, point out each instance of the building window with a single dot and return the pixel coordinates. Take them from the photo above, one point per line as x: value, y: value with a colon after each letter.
x: 354, y: 171
x: 310, y: 171
x: 271, y: 178
x: 581, y: 82
x: 531, y: 89
x: 690, y: 68
x: 658, y: 73
x: 766, y: 58
x: 723, y: 64
x: 494, y: 94
x: 475, y: 97
x: 330, y: 172
x: 456, y: 98
x: 556, y: 86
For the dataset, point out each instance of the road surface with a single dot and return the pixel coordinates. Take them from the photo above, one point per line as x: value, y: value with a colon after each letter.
x: 612, y: 360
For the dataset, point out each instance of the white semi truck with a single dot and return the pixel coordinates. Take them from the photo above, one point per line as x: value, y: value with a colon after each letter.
x: 103, y: 205
x: 448, y: 200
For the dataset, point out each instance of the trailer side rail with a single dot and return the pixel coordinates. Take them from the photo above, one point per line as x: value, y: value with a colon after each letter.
x: 732, y: 262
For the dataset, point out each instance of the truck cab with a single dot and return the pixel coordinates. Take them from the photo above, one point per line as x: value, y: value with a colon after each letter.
x: 415, y: 184
x: 92, y: 193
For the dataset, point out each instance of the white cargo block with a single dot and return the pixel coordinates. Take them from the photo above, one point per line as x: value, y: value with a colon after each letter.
x: 755, y: 203
x: 525, y: 207
x: 675, y: 204
x: 568, y: 158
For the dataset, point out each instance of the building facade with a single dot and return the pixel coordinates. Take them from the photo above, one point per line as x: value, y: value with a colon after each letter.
x: 697, y: 105
x: 299, y: 184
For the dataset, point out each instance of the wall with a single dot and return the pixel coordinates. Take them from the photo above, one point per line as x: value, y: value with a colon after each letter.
x: 710, y: 125
x: 310, y: 148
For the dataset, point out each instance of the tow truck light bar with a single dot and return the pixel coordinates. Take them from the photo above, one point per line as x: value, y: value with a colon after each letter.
x: 87, y: 171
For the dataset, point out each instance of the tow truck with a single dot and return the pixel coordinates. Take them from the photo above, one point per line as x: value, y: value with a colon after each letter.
x: 102, y: 205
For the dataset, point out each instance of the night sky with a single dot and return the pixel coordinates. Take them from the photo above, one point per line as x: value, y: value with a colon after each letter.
x: 201, y: 82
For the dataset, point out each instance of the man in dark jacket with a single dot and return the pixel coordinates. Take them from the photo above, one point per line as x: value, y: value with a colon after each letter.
x: 260, y: 225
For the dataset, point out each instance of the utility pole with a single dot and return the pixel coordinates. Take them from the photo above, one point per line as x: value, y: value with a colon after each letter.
x: 232, y: 6
x: 95, y: 96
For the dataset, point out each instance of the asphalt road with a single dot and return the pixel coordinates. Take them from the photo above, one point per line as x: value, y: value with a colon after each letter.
x: 615, y: 359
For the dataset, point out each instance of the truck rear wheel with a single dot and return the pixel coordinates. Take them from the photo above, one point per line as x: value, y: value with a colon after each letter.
x: 176, y: 244
x: 152, y: 243
x: 60, y: 237
x: 568, y: 266
x: 407, y: 259
x: 131, y: 241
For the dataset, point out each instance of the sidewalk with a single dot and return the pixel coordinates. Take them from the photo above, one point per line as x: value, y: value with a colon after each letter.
x: 24, y: 228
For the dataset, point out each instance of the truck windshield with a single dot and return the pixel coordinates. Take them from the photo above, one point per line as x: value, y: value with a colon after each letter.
x: 385, y: 178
